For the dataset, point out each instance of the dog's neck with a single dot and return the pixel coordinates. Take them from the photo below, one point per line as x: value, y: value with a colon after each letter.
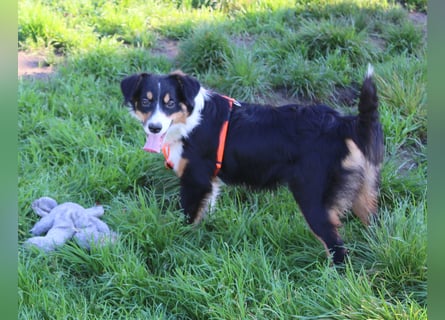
x: 179, y: 131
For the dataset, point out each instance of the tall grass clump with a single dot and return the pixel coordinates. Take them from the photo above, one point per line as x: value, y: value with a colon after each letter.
x: 308, y: 80
x: 112, y: 62
x: 41, y: 27
x: 405, y: 39
x: 328, y: 36
x: 243, y: 76
x: 400, y: 248
x: 402, y: 90
x: 130, y: 28
x: 205, y: 50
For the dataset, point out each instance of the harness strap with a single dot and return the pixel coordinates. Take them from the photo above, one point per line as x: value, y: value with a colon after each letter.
x: 166, y: 152
x: 223, y: 136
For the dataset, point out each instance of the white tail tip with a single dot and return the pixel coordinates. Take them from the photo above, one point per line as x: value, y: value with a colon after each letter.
x: 370, y: 71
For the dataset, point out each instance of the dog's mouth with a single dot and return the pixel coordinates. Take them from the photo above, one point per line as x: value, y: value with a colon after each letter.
x: 154, y: 142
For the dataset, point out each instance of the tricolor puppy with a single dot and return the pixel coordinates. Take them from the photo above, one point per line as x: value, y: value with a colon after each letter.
x: 331, y: 163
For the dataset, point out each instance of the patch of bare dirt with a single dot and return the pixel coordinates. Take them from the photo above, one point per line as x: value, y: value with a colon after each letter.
x: 167, y: 47
x: 33, y: 65
x: 419, y: 19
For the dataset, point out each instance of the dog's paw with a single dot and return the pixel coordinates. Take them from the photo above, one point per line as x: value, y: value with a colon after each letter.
x: 339, y: 255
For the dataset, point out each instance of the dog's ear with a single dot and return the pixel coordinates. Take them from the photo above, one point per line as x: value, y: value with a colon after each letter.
x: 189, y: 87
x: 130, y: 86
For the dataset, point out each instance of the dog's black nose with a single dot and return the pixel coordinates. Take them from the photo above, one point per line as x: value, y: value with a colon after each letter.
x: 154, y: 127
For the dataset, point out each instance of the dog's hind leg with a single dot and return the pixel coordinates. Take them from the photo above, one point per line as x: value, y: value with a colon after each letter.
x: 326, y: 231
x: 322, y: 223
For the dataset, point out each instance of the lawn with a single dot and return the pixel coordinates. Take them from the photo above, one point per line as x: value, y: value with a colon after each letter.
x: 255, y: 257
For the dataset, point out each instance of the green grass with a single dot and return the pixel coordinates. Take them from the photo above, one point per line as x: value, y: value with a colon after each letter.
x: 206, y: 49
x: 254, y: 257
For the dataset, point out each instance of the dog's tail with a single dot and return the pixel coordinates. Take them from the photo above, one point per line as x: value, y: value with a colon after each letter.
x: 368, y: 127
x: 368, y: 103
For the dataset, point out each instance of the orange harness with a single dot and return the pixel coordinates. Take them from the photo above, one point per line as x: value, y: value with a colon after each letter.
x: 221, y: 145
x: 223, y: 136
x: 166, y: 152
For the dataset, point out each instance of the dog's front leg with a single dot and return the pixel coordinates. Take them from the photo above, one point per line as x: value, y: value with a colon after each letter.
x: 195, y: 198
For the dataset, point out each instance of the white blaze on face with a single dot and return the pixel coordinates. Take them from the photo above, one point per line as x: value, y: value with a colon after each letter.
x: 157, y: 120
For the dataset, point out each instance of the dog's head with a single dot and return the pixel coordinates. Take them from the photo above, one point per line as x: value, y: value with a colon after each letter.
x: 160, y: 101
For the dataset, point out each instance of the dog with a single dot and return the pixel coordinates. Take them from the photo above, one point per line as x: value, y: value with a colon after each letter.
x: 331, y: 163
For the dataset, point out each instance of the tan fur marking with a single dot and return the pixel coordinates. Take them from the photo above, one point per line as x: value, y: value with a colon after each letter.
x: 354, y: 162
x: 355, y: 159
x: 177, y: 73
x: 143, y: 117
x: 166, y: 98
x: 150, y: 95
x: 365, y: 204
x: 181, y: 166
x: 334, y: 217
x: 180, y: 116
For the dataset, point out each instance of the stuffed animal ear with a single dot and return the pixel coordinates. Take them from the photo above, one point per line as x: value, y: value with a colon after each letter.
x: 130, y: 86
x: 43, y: 206
x: 189, y: 87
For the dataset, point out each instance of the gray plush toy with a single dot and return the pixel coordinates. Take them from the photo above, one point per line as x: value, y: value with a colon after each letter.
x: 66, y: 221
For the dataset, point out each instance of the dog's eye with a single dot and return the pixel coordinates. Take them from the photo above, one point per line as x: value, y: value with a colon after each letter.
x: 145, y: 102
x: 170, y: 104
